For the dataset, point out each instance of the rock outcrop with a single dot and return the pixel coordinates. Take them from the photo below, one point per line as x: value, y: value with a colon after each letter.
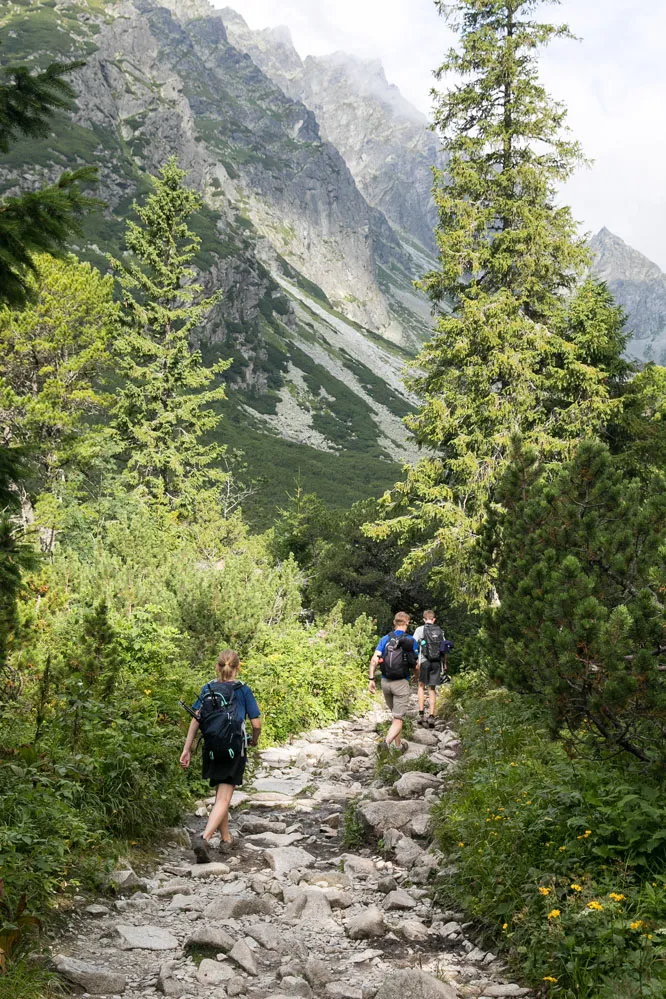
x: 639, y: 286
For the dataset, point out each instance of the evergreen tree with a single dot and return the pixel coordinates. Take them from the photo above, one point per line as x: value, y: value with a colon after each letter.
x: 518, y: 352
x: 581, y: 621
x: 164, y: 413
x: 36, y: 221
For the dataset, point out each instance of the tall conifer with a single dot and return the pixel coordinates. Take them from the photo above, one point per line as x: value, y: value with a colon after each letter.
x: 505, y: 357
x: 164, y: 413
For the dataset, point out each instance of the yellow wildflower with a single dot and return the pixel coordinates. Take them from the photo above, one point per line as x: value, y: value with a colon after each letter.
x: 617, y: 896
x: 549, y: 978
x: 594, y: 905
x: 637, y: 925
x: 147, y: 692
x: 461, y: 844
x: 545, y: 891
x: 576, y: 887
x: 554, y: 913
x: 505, y: 926
x: 562, y: 849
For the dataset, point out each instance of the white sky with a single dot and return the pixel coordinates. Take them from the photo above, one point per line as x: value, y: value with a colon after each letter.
x: 613, y: 81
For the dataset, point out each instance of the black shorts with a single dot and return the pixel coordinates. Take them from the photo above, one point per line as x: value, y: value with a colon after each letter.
x: 228, y: 772
x: 430, y: 674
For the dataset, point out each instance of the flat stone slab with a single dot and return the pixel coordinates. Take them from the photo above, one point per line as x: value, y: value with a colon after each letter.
x: 399, y: 899
x: 146, y: 938
x: 281, y: 785
x: 90, y: 977
x: 286, y: 858
x: 210, y: 936
x: 500, y: 991
x: 269, y: 840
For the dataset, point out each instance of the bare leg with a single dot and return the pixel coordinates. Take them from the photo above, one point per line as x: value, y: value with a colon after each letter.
x: 393, y: 734
x: 219, y: 817
x: 432, y: 699
x: 421, y: 696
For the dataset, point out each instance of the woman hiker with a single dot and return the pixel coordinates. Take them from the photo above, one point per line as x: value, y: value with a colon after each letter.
x: 224, y: 769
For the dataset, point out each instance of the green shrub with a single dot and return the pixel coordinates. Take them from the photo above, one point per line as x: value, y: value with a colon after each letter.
x: 557, y: 858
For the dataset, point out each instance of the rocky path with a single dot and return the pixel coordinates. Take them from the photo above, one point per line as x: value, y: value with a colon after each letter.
x: 292, y: 912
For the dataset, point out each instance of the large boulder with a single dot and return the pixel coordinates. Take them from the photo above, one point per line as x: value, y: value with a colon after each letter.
x: 414, y: 984
x: 366, y: 924
x: 383, y: 815
x: 286, y: 858
x: 214, y: 972
x: 413, y: 784
x: 210, y: 936
x: 89, y: 976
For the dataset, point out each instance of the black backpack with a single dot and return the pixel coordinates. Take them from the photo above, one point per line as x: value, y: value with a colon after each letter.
x: 222, y: 730
x: 431, y: 643
x: 397, y: 657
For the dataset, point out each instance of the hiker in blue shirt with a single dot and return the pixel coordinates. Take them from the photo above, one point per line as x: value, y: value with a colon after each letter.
x: 225, y: 774
x: 396, y: 655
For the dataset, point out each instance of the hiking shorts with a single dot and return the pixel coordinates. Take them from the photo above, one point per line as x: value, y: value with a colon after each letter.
x: 430, y: 674
x: 396, y: 695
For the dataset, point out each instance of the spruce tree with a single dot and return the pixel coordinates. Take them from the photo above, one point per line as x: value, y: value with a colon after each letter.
x: 164, y: 415
x: 511, y: 351
x: 16, y: 554
x: 39, y: 221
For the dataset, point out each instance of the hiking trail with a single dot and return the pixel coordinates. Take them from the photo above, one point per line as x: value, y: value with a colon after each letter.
x: 292, y: 912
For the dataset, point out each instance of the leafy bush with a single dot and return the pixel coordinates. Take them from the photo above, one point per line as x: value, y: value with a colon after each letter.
x: 557, y: 858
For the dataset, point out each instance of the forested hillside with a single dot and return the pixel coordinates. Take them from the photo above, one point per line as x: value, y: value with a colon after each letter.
x: 203, y: 325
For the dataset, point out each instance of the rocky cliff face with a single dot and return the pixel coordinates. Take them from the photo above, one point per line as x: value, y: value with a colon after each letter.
x: 316, y: 283
x: 384, y: 140
x: 640, y: 288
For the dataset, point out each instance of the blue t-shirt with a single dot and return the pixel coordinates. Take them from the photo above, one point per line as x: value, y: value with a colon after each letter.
x: 383, y: 642
x: 246, y: 703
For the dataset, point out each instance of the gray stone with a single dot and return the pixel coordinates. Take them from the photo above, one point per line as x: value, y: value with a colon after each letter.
x: 125, y: 879
x: 383, y: 815
x: 146, y: 937
x: 210, y: 936
x: 276, y: 938
x: 423, y: 737
x: 296, y: 986
x: 500, y: 991
x: 89, y: 976
x: 180, y: 836
x: 286, y: 858
x: 413, y: 984
x: 275, y: 785
x: 399, y: 899
x: 243, y: 956
x: 476, y: 956
x: 236, y: 986
x: 212, y: 870
x: 311, y: 907
x: 386, y: 885
x: 254, y: 824
x: 167, y: 984
x: 213, y: 972
x: 317, y: 972
x: 268, y: 840
x: 413, y: 784
x: 359, y: 867
x: 414, y: 931
x: 235, y: 908
x: 341, y: 990
x: 327, y: 879
x: 408, y: 852
x: 367, y: 924
x: 185, y: 903
x: 97, y: 911
x: 179, y: 886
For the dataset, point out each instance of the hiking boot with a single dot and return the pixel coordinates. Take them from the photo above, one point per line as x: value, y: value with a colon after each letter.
x: 403, y: 747
x: 226, y: 846
x: 421, y: 719
x: 431, y: 721
x: 201, y: 850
